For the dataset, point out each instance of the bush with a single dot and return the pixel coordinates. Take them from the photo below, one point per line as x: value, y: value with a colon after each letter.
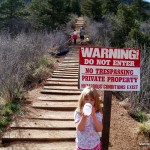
x: 138, y: 115
x: 145, y: 128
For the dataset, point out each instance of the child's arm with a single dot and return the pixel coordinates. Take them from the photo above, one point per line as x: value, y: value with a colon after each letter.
x: 82, y: 123
x: 98, y: 125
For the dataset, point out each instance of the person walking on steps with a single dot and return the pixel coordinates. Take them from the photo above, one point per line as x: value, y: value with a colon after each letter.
x: 88, y: 126
x: 82, y: 33
x: 75, y: 36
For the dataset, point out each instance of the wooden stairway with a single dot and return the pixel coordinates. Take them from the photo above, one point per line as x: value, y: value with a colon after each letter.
x: 51, y: 127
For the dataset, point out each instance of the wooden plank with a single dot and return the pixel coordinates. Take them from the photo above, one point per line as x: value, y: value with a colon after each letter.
x: 64, y: 92
x: 67, y: 69
x: 38, y: 135
x: 52, y: 115
x: 74, y: 88
x: 65, y: 74
x: 71, y: 61
x: 40, y: 124
x: 55, y: 105
x: 65, y: 77
x: 59, y: 98
x: 61, y: 145
x: 62, y: 80
x: 61, y: 83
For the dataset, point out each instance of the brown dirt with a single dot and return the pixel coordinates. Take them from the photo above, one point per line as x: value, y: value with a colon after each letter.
x: 123, y: 128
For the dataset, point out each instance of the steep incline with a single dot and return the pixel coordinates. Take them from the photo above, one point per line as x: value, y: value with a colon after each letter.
x: 51, y: 127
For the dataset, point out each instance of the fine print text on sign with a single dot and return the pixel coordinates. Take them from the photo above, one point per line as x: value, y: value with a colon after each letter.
x: 111, y: 69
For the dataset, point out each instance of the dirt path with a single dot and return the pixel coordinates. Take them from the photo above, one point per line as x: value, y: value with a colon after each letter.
x: 49, y: 125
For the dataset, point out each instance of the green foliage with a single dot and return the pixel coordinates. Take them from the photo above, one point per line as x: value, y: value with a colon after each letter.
x: 43, y: 62
x: 110, y: 6
x: 41, y: 72
x: 138, y: 115
x: 11, y: 14
x: 7, y: 111
x: 75, y: 7
x: 145, y: 128
x: 125, y: 21
x: 92, y: 9
x: 49, y: 14
x: 4, y: 122
x: 140, y: 9
x: 140, y: 37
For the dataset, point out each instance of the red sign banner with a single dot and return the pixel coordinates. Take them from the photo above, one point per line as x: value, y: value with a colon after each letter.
x: 114, y: 69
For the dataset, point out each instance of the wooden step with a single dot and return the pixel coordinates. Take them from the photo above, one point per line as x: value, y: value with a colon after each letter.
x: 38, y: 135
x: 40, y: 124
x: 66, y: 72
x: 71, y: 58
x: 71, y: 61
x: 55, y: 105
x: 61, y: 83
x: 65, y: 92
x: 74, y: 88
x: 50, y: 145
x: 67, y: 69
x: 62, y: 80
x: 59, y: 98
x: 65, y: 77
x: 52, y: 115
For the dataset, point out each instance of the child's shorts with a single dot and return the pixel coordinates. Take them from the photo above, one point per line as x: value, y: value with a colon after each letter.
x: 98, y: 147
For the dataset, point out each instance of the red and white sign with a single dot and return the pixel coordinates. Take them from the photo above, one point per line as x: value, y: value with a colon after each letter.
x: 110, y: 69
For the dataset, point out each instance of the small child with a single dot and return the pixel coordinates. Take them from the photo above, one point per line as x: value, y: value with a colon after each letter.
x: 75, y: 36
x: 87, y: 127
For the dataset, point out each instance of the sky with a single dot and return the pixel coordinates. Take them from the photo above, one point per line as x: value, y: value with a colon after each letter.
x: 147, y: 0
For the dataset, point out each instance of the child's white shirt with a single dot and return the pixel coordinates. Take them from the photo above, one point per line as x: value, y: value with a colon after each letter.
x: 88, y: 138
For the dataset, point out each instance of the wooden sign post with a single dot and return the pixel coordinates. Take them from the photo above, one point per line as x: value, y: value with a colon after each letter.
x: 109, y: 69
x: 106, y: 119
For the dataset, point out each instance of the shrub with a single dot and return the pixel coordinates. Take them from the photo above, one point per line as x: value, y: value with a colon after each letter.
x: 138, y: 115
x: 145, y: 128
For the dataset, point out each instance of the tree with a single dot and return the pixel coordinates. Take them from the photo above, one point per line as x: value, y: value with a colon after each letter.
x: 110, y: 6
x: 49, y: 14
x: 141, y: 8
x: 76, y: 8
x: 12, y: 14
x: 92, y: 9
x: 124, y: 23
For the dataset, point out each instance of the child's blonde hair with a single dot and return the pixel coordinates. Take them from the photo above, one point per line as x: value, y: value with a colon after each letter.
x: 92, y: 93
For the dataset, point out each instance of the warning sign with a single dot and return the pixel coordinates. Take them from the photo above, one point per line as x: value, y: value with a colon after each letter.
x: 113, y: 69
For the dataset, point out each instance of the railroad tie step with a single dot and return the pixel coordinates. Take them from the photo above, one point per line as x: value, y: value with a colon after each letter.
x: 55, y: 105
x: 62, y: 76
x: 62, y: 92
x: 38, y: 135
x: 65, y: 72
x: 50, y: 145
x: 67, y: 69
x: 74, y: 88
x: 62, y: 80
x: 59, y: 98
x: 42, y: 125
x: 61, y: 83
x: 66, y: 115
